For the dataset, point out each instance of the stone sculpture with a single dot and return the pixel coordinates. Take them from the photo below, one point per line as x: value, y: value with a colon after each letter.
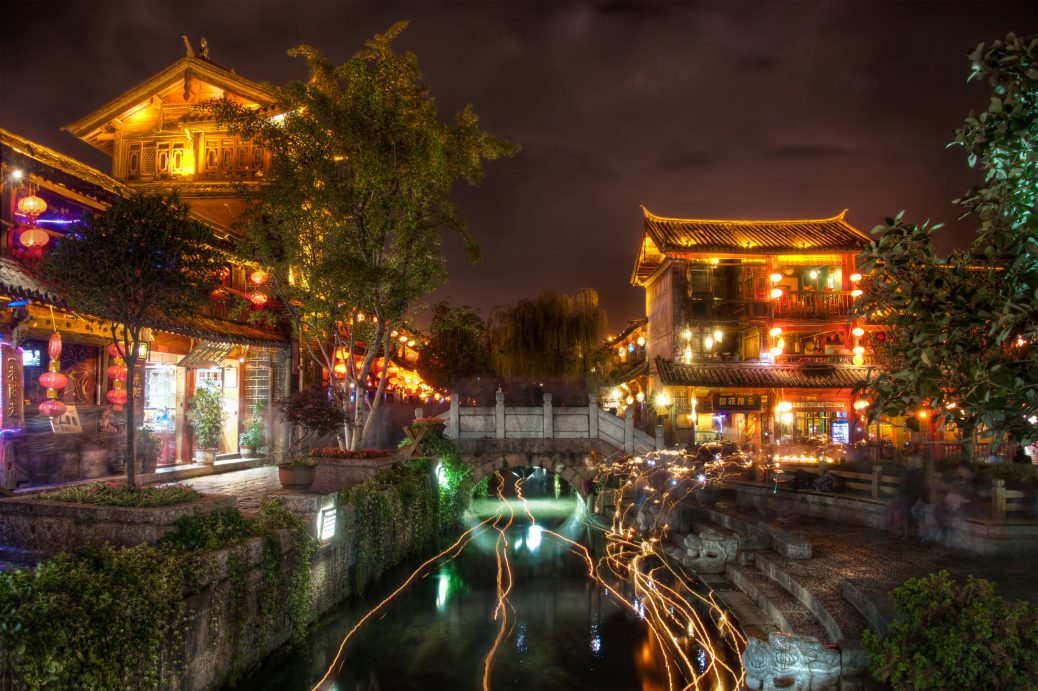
x: 788, y: 661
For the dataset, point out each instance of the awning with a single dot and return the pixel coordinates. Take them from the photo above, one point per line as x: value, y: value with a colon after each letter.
x: 752, y: 375
x: 207, y: 355
x: 17, y: 280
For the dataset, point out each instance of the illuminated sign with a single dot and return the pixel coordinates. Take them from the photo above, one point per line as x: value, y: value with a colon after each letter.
x: 326, y: 523
x: 736, y: 401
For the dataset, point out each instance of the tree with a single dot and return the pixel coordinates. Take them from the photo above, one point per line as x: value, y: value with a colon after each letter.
x: 142, y: 261
x: 549, y: 336
x: 457, y: 347
x: 961, y: 329
x: 352, y: 214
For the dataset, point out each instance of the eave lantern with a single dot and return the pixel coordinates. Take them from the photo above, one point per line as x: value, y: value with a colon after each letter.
x: 118, y: 373
x: 31, y: 207
x: 53, y: 379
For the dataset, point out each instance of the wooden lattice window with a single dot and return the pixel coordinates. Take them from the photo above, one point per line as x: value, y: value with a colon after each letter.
x: 133, y: 162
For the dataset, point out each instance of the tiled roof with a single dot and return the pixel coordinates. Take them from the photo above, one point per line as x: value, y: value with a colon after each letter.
x: 70, y: 172
x: 634, y: 371
x: 755, y: 237
x: 752, y: 375
x: 18, y: 281
x: 631, y: 327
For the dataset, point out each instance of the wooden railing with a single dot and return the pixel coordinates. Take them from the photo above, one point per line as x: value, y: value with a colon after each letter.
x: 809, y: 304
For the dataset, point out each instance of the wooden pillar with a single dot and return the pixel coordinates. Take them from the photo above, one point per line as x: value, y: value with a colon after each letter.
x: 877, y: 470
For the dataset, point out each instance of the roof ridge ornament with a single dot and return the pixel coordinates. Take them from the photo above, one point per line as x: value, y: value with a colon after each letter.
x: 189, y: 52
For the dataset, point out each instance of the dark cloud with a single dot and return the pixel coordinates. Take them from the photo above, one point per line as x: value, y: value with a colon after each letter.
x: 724, y: 109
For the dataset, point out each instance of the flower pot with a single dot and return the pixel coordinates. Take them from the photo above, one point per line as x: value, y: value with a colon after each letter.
x: 247, y: 451
x: 707, y: 496
x: 297, y: 476
x: 205, y: 456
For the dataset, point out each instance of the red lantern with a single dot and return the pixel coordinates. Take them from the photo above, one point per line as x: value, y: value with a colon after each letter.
x: 54, y: 346
x: 52, y: 408
x: 53, y: 380
x: 259, y: 277
x: 34, y: 237
x: 116, y: 350
x: 259, y: 299
x: 117, y: 372
x: 117, y: 397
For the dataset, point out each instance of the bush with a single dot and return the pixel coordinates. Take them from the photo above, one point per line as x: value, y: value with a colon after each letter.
x: 118, y: 494
x: 206, y: 414
x: 346, y: 453
x: 952, y: 636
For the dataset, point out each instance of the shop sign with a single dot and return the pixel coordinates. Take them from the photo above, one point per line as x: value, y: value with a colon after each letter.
x: 67, y: 422
x: 736, y: 401
x: 840, y: 431
x: 820, y: 405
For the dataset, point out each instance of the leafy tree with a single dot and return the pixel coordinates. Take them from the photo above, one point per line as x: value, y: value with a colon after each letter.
x: 140, y: 262
x: 457, y: 347
x: 549, y: 336
x: 962, y: 329
x: 955, y: 636
x: 352, y: 215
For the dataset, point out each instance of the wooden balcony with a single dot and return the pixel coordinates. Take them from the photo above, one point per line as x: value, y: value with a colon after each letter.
x: 810, y: 304
x: 821, y: 359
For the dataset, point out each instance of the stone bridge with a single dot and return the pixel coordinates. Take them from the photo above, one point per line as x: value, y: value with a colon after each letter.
x: 560, y: 439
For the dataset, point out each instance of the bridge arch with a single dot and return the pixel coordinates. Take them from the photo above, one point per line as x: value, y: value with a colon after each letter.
x: 562, y: 465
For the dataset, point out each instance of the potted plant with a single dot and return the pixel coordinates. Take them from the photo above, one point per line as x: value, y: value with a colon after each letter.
x: 251, y: 438
x: 206, y: 414
x: 148, y: 449
x: 312, y: 412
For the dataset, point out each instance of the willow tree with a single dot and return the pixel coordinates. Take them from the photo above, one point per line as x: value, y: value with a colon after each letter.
x: 139, y: 263
x: 549, y: 336
x: 963, y: 329
x: 352, y: 214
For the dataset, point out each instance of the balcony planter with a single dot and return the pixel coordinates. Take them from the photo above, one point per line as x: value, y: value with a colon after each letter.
x: 297, y: 476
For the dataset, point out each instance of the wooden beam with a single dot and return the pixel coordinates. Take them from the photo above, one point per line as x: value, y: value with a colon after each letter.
x: 66, y: 192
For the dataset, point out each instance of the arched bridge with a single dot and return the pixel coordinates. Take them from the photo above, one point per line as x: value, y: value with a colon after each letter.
x: 559, y: 439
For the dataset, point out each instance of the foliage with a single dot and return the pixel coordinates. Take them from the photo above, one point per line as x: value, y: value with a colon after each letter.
x: 456, y: 349
x: 454, y: 478
x: 395, y: 516
x: 312, y: 411
x: 140, y: 262
x: 148, y: 447
x: 118, y: 494
x: 208, y: 531
x: 356, y: 204
x: 252, y: 434
x: 206, y: 414
x: 962, y: 329
x: 344, y: 453
x: 954, y: 636
x: 549, y: 336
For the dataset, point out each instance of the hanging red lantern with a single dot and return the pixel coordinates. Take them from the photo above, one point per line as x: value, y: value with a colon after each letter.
x: 53, y: 379
x: 52, y: 408
x: 117, y: 397
x: 116, y: 350
x: 34, y: 237
x: 259, y: 277
x: 31, y: 206
x: 259, y: 299
x: 117, y: 372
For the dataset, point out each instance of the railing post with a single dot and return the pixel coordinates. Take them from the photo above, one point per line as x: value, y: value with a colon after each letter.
x: 499, y: 417
x: 549, y: 420
x: 998, y: 499
x: 877, y: 470
x: 454, y: 421
x: 629, y: 430
x: 659, y: 437
x: 592, y: 416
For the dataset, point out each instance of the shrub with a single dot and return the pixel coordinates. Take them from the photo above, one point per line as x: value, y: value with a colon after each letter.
x: 118, y: 494
x: 953, y: 636
x: 346, y: 453
x: 206, y: 414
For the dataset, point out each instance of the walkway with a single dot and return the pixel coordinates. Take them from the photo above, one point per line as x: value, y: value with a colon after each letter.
x: 882, y: 560
x: 250, y: 486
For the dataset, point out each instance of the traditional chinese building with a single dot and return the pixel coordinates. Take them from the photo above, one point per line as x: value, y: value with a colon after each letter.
x: 748, y: 336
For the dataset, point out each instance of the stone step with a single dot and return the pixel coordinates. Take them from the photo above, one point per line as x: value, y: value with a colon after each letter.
x: 785, y: 611
x: 820, y: 591
x: 753, y: 539
x: 872, y: 603
x: 785, y: 542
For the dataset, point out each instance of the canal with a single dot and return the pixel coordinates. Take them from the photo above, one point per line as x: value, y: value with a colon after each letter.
x: 554, y: 628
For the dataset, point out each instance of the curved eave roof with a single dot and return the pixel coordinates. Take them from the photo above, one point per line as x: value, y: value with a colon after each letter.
x: 62, y: 169
x: 753, y: 375
x: 735, y: 236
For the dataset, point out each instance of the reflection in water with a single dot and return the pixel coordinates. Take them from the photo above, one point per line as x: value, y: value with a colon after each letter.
x: 513, y: 609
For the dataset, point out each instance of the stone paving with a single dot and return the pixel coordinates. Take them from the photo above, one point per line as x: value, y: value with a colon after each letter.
x: 250, y: 486
x: 882, y: 560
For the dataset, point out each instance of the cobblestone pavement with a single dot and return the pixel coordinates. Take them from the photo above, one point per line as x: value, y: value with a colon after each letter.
x: 881, y: 560
x: 251, y: 486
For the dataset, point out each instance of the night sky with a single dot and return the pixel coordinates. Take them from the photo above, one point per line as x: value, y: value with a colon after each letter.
x: 718, y: 109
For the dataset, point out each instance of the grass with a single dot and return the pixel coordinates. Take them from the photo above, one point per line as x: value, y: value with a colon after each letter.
x: 118, y: 494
